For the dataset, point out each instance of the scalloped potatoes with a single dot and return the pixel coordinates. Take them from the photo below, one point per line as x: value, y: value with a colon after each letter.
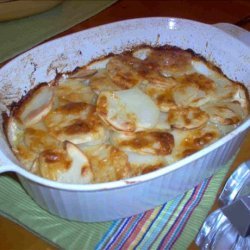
x: 124, y: 115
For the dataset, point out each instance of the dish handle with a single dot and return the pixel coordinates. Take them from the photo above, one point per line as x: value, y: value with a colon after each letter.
x: 8, y: 162
x: 235, y: 31
x: 7, y: 165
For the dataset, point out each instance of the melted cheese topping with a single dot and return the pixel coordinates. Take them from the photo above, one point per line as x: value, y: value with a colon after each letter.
x: 122, y: 70
x: 161, y: 95
x: 169, y: 62
x: 124, y: 115
x: 102, y: 82
x: 145, y: 142
x: 187, y: 117
x: 109, y: 163
x: 224, y: 113
x: 69, y: 165
x: 73, y: 90
x: 190, y: 141
x: 76, y: 122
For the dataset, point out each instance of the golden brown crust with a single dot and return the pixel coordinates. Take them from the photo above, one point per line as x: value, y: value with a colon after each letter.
x: 145, y: 142
x: 108, y: 163
x: 187, y: 117
x: 122, y: 70
x: 201, y: 81
x: 51, y: 162
x: 174, y: 60
x: 81, y: 114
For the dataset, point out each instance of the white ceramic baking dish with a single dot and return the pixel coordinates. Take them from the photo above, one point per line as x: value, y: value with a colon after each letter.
x: 108, y: 201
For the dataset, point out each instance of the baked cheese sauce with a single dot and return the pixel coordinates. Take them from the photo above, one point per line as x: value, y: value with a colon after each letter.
x: 123, y: 116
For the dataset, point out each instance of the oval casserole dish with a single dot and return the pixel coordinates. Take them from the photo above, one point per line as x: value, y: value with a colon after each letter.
x: 119, y: 199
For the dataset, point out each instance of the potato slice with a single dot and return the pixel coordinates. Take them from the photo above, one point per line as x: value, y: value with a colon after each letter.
x: 224, y: 90
x: 157, y: 79
x: 162, y: 95
x: 163, y: 123
x: 169, y: 62
x: 15, y: 133
x: 187, y: 117
x: 67, y: 166
x: 123, y: 71
x: 80, y: 170
x: 73, y: 90
x: 37, y: 140
x: 228, y: 91
x: 13, y: 130
x: 144, y: 142
x: 188, y: 142
x: 108, y: 163
x: 102, y: 82
x: 193, y: 90
x: 142, y: 53
x: 201, y: 68
x: 241, y: 96
x: 143, y: 164
x: 224, y: 113
x: 77, y: 123
x: 189, y: 95
x: 151, y: 69
x: 99, y: 64
x: 127, y: 110
x: 36, y: 106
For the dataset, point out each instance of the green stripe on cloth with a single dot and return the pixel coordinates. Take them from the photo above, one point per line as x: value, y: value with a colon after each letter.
x: 16, y: 205
x: 22, y: 34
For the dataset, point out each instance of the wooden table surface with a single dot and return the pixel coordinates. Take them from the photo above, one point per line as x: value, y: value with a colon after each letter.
x: 12, y: 236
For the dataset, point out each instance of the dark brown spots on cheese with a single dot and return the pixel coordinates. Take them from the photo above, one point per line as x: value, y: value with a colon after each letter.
x: 120, y: 161
x: 232, y: 120
x: 25, y: 153
x: 51, y: 156
x: 122, y: 71
x: 166, y: 98
x: 72, y: 108
x: 156, y: 143
x: 102, y: 106
x: 52, y: 162
x: 188, y: 152
x: 109, y: 164
x: 187, y: 117
x: 78, y: 126
x: 196, y: 141
x: 146, y: 168
x: 199, y: 80
x: 151, y: 168
x: 205, y: 139
x: 174, y: 60
x: 165, y: 75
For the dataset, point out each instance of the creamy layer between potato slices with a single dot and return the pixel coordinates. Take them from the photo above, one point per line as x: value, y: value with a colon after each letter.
x: 124, y: 115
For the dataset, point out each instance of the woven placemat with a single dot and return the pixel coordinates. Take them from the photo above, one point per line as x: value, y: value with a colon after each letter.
x: 20, y: 35
x: 175, y: 224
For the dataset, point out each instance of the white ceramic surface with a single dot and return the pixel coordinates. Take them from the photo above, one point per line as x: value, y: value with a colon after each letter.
x: 108, y: 201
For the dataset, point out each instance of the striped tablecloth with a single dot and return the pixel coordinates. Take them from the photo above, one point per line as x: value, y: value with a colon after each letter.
x: 158, y: 228
x: 171, y: 226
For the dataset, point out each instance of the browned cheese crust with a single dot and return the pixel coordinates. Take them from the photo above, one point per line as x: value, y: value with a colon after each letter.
x: 69, y: 130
